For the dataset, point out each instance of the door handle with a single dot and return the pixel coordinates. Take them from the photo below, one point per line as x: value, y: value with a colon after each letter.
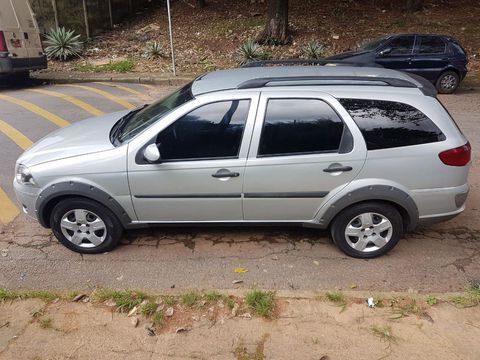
x: 224, y: 173
x: 338, y: 169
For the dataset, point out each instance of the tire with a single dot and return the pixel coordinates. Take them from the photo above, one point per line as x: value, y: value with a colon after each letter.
x: 80, y: 216
x: 367, y: 244
x: 447, y: 82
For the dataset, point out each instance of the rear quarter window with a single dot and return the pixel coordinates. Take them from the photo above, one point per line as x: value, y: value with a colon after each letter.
x: 389, y: 124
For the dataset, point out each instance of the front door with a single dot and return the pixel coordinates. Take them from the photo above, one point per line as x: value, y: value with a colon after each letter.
x: 397, y: 54
x: 302, y: 152
x: 203, y: 156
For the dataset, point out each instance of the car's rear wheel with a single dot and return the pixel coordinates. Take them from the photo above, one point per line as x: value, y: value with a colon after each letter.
x: 85, y: 226
x: 448, y: 82
x: 367, y: 230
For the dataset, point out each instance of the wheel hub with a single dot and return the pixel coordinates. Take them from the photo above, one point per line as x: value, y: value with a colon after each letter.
x: 83, y: 228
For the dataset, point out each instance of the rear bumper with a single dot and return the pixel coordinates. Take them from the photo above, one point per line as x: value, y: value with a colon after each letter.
x: 9, y: 65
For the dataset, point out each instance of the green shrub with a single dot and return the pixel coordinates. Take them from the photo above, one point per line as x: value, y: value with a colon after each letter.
x: 62, y: 44
x: 313, y: 50
x: 250, y: 51
x: 153, y: 50
x: 262, y: 302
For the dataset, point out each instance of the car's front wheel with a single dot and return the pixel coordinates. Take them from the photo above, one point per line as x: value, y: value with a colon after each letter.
x: 367, y: 230
x: 85, y: 226
x: 448, y: 82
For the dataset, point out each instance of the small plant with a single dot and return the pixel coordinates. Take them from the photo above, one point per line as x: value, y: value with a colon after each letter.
x: 336, y: 297
x: 169, y: 300
x: 149, y: 308
x: 158, y: 318
x: 470, y: 298
x: 313, y: 50
x: 262, y: 302
x: 6, y: 295
x: 431, y: 300
x: 62, y: 44
x: 153, y: 50
x: 384, y: 333
x: 250, y: 51
x: 46, y: 323
x: 190, y: 298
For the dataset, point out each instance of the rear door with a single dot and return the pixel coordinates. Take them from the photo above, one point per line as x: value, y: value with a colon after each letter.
x: 397, y: 53
x: 11, y: 27
x: 430, y: 57
x: 28, y: 28
x: 301, y: 152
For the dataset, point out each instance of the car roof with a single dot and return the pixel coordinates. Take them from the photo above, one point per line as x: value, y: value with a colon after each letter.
x: 257, y: 77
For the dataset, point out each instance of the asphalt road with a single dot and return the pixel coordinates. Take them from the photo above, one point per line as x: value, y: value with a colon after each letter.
x: 444, y: 257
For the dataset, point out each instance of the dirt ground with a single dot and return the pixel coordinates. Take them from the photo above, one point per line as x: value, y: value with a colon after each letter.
x: 304, y: 328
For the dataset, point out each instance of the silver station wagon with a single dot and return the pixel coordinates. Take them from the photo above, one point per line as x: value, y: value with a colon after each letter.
x: 365, y: 152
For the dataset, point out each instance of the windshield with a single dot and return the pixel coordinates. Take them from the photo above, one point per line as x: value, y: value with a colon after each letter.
x: 372, y: 44
x: 142, y: 119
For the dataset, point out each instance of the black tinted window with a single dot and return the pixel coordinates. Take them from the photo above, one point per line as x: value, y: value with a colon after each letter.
x: 431, y: 45
x: 401, y: 45
x: 211, y: 131
x: 388, y: 124
x: 299, y: 126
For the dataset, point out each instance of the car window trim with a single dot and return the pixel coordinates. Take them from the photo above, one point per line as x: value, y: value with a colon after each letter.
x: 139, y: 160
x: 337, y: 151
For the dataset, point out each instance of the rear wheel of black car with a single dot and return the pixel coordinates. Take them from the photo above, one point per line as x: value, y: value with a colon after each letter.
x: 448, y: 82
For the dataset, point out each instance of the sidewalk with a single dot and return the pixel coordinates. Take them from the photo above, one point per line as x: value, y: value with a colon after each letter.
x: 142, y: 78
x: 321, y: 327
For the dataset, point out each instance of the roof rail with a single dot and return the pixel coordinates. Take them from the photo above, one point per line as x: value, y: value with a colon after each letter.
x: 425, y: 87
x: 317, y: 62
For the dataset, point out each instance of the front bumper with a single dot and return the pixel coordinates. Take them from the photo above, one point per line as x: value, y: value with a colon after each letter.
x: 9, y: 65
x: 27, y: 198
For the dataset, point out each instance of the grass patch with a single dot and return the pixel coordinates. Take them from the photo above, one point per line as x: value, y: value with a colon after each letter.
x: 262, y: 302
x: 158, y: 318
x: 169, y: 300
x: 212, y: 296
x: 336, y: 297
x: 125, y: 300
x: 122, y: 66
x: 470, y: 298
x: 6, y: 295
x: 384, y: 333
x: 431, y: 300
x: 46, y: 323
x: 32, y: 294
x: 149, y: 308
x: 190, y: 298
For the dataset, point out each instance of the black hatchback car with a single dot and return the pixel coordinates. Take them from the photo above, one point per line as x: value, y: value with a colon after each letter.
x: 438, y: 58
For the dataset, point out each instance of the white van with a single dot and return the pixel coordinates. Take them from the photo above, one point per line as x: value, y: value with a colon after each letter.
x: 20, y: 45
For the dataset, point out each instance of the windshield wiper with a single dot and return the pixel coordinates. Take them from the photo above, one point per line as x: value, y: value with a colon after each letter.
x: 120, y: 125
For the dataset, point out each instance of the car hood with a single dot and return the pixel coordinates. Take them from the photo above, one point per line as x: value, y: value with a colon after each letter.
x: 81, y: 138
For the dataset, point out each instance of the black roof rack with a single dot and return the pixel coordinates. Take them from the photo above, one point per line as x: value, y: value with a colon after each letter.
x: 317, y: 62
x: 427, y: 88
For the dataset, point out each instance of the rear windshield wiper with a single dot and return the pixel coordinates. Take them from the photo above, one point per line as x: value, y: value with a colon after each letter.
x: 118, y: 128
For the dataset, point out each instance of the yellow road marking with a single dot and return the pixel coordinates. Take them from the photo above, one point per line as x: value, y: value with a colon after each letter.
x: 8, y: 210
x: 16, y: 136
x: 80, y: 103
x: 57, y: 120
x: 148, y: 86
x: 109, y: 96
x: 132, y: 91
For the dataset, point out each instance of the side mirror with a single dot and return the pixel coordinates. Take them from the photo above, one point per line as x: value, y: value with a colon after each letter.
x: 151, y: 153
x: 385, y: 52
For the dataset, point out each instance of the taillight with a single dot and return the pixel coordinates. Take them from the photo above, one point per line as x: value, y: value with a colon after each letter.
x: 3, y: 44
x: 459, y: 156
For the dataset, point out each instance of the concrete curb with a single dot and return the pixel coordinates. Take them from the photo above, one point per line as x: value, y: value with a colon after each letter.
x: 139, y: 78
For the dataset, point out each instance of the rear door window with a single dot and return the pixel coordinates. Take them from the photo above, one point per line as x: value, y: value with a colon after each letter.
x: 431, y: 45
x: 389, y: 124
x: 300, y: 126
x: 401, y: 45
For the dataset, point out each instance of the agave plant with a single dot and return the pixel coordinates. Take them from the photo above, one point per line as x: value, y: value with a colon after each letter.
x: 153, y: 50
x: 250, y: 51
x: 62, y: 44
x: 313, y: 50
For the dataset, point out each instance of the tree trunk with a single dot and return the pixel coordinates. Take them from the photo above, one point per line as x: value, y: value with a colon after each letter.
x: 413, y: 5
x: 201, y: 3
x: 276, y: 26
